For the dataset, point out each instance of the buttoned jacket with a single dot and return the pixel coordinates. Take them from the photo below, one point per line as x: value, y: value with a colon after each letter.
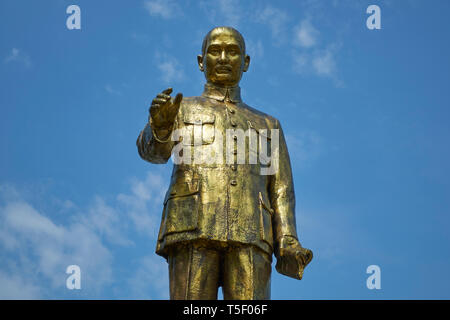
x: 218, y: 199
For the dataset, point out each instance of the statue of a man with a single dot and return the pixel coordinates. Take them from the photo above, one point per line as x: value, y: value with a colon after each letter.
x: 223, y: 220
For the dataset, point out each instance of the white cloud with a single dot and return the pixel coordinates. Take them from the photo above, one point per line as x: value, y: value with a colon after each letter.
x: 152, y: 270
x: 106, y: 221
x: 166, y: 9
x: 275, y: 19
x: 112, y: 91
x: 324, y: 63
x: 144, y: 205
x: 309, y: 59
x: 17, y: 55
x: 305, y: 34
x: 223, y: 12
x: 22, y: 216
x: 36, y: 246
x: 15, y: 287
x: 312, y: 53
x: 231, y: 12
x: 255, y: 49
x: 170, y: 68
x: 48, y: 248
x: 304, y: 147
x: 319, y: 62
x: 301, y: 62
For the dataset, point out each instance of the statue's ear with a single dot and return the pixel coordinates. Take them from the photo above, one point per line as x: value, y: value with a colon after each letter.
x: 200, y: 62
x: 246, y: 62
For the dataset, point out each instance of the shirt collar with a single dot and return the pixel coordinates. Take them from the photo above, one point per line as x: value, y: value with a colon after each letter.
x: 221, y: 93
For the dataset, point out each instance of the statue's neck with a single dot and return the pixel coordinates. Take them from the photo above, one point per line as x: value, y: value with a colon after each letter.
x: 221, y: 93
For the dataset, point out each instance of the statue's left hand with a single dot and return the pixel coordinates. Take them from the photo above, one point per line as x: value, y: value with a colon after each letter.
x: 292, y: 258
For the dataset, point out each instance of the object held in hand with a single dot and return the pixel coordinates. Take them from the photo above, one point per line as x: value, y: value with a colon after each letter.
x: 292, y: 258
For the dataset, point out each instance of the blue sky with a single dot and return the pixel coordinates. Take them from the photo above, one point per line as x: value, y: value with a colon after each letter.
x: 365, y: 112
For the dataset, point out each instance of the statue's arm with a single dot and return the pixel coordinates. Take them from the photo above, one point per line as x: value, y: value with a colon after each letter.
x: 292, y: 258
x: 155, y: 146
x: 154, y: 143
x: 282, y: 195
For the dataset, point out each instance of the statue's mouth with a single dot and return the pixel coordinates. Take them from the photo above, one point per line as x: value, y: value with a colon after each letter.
x: 223, y: 69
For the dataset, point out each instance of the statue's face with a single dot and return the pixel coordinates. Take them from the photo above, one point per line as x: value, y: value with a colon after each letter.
x: 224, y: 59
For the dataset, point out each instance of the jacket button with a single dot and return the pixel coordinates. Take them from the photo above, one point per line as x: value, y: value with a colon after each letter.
x: 233, y: 182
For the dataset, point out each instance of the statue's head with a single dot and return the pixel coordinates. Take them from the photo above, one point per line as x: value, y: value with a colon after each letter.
x: 223, y: 58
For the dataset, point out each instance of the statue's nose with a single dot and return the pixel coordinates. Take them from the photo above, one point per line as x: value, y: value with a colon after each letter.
x: 223, y: 55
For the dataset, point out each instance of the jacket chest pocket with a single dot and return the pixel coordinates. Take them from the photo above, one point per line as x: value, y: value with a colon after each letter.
x: 198, y: 129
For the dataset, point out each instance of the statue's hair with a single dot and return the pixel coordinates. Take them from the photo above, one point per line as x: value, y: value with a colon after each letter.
x: 236, y: 33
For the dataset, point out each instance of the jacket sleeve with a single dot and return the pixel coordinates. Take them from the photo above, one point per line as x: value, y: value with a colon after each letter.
x: 282, y: 195
x: 152, y: 147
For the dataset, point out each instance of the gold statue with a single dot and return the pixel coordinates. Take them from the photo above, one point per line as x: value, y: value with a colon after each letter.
x: 223, y: 220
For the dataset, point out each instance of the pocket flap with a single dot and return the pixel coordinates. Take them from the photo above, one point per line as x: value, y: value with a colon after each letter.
x: 199, y: 119
x: 182, y: 189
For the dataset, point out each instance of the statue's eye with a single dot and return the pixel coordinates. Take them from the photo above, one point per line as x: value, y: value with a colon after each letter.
x: 214, y: 52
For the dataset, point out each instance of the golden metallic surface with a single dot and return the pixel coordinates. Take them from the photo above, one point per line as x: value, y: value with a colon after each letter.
x: 198, y: 268
x: 222, y: 221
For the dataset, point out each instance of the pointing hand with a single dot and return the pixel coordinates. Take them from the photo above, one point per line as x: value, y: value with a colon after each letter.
x: 164, y: 109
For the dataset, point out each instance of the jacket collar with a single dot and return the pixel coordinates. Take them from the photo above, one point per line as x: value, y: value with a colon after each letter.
x: 232, y: 94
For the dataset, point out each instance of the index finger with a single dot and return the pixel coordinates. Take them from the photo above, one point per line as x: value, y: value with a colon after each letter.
x: 167, y: 91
